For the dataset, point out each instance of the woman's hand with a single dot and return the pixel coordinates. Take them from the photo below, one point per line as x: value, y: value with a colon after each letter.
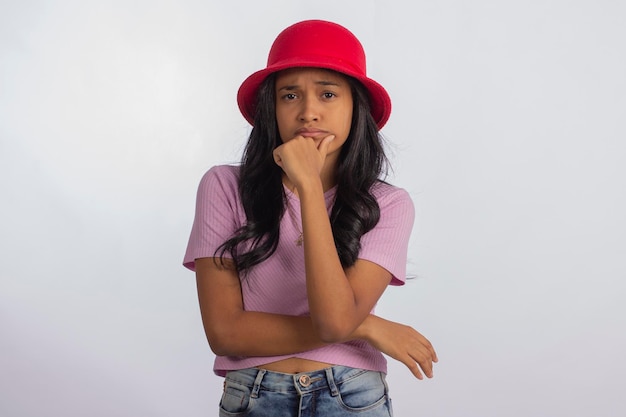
x: 402, y: 343
x: 302, y: 158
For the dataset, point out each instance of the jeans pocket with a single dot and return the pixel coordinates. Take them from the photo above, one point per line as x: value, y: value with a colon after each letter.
x: 363, y: 392
x: 235, y: 399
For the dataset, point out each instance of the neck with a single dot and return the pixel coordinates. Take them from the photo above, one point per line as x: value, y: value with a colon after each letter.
x: 329, y: 172
x: 328, y: 180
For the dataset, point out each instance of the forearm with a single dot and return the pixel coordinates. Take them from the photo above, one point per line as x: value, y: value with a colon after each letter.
x: 233, y: 331
x: 262, y: 334
x: 265, y: 334
x: 331, y: 298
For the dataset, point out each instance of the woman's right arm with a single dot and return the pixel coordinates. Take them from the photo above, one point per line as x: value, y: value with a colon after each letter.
x: 232, y: 331
x: 401, y: 342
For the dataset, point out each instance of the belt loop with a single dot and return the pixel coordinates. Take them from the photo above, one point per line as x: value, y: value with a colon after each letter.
x: 331, y: 382
x: 382, y: 376
x: 257, y: 384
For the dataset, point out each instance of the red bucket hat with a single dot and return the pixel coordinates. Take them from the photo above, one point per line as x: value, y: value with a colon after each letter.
x: 316, y: 44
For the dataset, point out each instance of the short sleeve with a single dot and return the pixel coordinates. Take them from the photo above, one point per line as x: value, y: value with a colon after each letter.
x: 388, y: 242
x: 217, y: 216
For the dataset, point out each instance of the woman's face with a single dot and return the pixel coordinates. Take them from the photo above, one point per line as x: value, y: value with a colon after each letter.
x: 314, y: 103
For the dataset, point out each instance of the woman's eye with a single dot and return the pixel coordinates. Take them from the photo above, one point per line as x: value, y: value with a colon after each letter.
x: 289, y: 96
x: 329, y: 95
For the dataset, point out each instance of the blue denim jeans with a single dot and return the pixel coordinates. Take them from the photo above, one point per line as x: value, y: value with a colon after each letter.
x: 331, y: 392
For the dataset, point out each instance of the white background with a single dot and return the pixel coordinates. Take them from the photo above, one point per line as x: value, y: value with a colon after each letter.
x: 508, y: 130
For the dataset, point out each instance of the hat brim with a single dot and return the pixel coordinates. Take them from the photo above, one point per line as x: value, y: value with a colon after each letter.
x: 380, y: 102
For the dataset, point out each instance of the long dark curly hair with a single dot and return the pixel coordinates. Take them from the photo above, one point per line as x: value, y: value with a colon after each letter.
x: 362, y: 163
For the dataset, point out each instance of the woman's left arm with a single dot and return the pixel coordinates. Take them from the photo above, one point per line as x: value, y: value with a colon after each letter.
x: 339, y: 300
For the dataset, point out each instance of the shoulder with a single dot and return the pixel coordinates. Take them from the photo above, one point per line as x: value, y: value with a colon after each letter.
x: 391, y: 197
x: 222, y: 173
x: 224, y: 177
x: 387, y: 243
x: 219, y: 183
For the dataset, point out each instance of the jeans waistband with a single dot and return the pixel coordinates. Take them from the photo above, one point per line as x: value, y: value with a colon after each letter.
x: 304, y: 382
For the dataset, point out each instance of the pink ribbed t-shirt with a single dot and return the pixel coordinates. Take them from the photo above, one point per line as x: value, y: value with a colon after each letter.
x: 278, y: 285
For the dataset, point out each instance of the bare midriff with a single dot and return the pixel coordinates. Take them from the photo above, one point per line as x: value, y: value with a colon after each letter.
x: 294, y: 366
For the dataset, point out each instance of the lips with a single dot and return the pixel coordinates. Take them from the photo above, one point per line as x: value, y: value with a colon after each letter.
x: 309, y: 132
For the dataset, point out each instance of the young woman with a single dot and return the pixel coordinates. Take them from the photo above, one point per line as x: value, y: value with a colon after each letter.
x: 293, y: 248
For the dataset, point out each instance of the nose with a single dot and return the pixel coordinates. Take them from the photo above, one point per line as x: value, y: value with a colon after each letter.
x: 309, y: 110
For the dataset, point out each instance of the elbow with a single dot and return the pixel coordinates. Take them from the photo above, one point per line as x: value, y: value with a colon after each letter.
x: 221, y: 341
x: 218, y: 348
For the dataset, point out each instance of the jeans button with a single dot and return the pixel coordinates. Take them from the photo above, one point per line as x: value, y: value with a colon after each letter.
x: 305, y: 380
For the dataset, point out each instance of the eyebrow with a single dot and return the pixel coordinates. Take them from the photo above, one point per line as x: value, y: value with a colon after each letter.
x: 291, y: 87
